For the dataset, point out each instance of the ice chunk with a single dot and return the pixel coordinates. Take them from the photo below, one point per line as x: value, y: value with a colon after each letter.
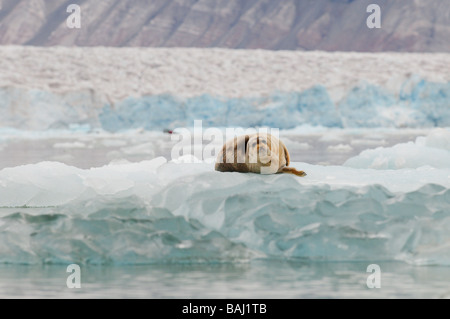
x: 340, y: 148
x: 291, y: 144
x: 145, y: 148
x: 432, y: 150
x: 70, y: 145
x: 437, y: 138
x: 159, y: 212
x: 43, y: 184
x: 186, y: 159
x: 113, y: 142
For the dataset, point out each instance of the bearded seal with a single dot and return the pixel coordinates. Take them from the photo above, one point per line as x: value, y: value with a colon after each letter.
x: 255, y: 153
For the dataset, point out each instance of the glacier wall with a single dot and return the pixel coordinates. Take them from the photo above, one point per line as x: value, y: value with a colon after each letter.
x: 417, y: 104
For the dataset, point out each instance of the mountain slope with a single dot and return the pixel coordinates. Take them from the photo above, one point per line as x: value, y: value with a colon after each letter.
x: 407, y: 25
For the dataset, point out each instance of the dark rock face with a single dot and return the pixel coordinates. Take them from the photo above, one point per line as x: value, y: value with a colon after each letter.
x: 406, y: 25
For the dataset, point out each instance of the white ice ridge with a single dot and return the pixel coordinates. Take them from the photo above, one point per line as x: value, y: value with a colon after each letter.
x: 432, y: 150
x: 158, y: 212
x: 117, y: 73
x: 53, y: 183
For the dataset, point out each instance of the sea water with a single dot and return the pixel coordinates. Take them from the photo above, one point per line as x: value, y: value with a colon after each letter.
x: 258, y: 279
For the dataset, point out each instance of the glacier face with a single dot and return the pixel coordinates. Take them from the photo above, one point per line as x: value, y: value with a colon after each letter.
x: 282, y: 110
x: 158, y: 212
x: 417, y: 104
x: 34, y: 109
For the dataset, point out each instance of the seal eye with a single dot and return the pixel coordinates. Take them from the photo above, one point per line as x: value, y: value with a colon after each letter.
x: 254, y: 144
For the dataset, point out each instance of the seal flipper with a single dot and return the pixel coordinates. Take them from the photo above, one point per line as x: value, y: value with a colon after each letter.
x: 291, y: 170
x: 286, y: 154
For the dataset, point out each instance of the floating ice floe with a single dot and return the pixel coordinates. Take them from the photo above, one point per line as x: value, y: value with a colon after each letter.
x: 158, y: 212
x: 70, y: 145
x: 340, y: 148
x: 432, y: 150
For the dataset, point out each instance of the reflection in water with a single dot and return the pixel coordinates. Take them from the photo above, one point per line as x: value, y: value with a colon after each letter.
x: 259, y: 279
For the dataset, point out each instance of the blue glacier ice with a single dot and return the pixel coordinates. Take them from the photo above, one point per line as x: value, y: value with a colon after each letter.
x: 417, y: 104
x: 361, y: 107
x: 40, y: 110
x: 281, y: 110
x: 430, y: 101
x: 150, y: 112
